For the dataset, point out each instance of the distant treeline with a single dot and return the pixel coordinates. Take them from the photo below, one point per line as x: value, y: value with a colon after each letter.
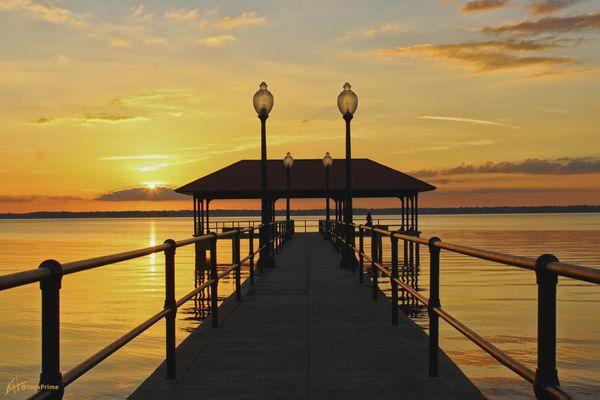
x: 315, y: 212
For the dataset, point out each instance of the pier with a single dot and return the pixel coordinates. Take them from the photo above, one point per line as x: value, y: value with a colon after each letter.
x: 307, y: 330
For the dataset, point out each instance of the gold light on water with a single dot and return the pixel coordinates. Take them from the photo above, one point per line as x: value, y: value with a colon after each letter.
x: 151, y: 243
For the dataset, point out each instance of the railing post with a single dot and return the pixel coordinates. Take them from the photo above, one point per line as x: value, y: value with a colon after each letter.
x: 546, y: 374
x: 393, y: 280
x: 374, y: 271
x: 214, y: 306
x: 280, y: 232
x: 274, y: 238
x: 361, y: 258
x: 434, y: 301
x: 351, y: 244
x: 238, y: 270
x: 170, y: 303
x: 251, y: 254
x: 50, y: 377
x: 262, y: 251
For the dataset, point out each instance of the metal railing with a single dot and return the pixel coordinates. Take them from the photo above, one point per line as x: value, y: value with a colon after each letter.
x: 50, y: 273
x: 302, y: 225
x: 546, y: 267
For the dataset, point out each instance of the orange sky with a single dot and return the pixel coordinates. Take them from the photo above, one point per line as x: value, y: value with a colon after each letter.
x: 494, y: 106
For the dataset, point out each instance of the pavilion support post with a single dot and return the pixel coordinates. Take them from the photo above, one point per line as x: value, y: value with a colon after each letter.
x: 417, y: 212
x: 195, y: 200
x: 207, y: 216
x: 201, y: 268
x: 418, y: 234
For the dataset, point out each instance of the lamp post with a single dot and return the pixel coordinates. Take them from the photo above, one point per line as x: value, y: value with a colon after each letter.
x: 347, y: 103
x: 327, y: 162
x: 288, y: 163
x: 263, y: 104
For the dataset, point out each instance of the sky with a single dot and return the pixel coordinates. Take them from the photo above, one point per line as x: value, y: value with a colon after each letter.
x: 496, y: 102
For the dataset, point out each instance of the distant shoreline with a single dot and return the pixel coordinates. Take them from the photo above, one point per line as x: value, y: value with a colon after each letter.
x: 311, y: 212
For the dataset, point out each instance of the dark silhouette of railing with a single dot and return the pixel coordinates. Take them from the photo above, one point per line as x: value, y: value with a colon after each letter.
x: 50, y: 273
x: 546, y: 267
x: 302, y: 225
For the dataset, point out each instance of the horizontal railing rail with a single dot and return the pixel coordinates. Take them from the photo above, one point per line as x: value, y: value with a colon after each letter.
x: 50, y: 274
x: 302, y: 225
x: 546, y: 267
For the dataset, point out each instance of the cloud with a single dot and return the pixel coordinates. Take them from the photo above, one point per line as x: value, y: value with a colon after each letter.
x: 544, y: 7
x: 484, y: 5
x: 244, y: 19
x: 89, y: 118
x: 48, y: 13
x: 575, y: 23
x: 470, y: 121
x: 150, y: 168
x: 160, y: 193
x: 169, y: 99
x: 438, y: 146
x: 119, y: 43
x: 35, y: 197
x: 182, y: 14
x: 136, y: 157
x: 485, y: 56
x: 559, y: 73
x: 217, y: 41
x: 156, y: 40
x: 139, y: 11
x: 372, y: 32
x: 533, y: 166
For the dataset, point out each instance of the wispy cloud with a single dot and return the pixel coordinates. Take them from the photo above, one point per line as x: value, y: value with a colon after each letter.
x: 140, y: 11
x: 217, y: 41
x: 161, y: 98
x: 469, y: 120
x: 484, y: 5
x: 156, y: 40
x: 156, y: 167
x: 136, y: 157
x: 574, y: 23
x: 182, y: 14
x: 564, y: 73
x: 150, y: 168
x: 534, y: 166
x: 89, y: 118
x: 372, y: 32
x: 544, y: 7
x: 35, y: 197
x: 485, y: 56
x: 119, y: 43
x: 244, y: 19
x: 44, y: 12
x: 439, y: 146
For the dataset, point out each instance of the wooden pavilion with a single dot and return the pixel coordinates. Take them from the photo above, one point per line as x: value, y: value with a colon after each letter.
x: 370, y: 179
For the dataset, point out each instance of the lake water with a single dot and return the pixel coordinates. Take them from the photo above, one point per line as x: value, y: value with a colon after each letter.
x: 97, y: 306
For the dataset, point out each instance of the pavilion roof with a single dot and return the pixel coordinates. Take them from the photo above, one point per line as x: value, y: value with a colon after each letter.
x: 241, y: 180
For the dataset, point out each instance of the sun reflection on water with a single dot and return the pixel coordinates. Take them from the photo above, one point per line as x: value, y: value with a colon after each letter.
x: 152, y: 242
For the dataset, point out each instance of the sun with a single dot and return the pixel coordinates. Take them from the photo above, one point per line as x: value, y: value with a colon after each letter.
x: 151, y: 186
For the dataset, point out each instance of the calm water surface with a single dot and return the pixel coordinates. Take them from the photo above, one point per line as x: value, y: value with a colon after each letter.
x: 99, y: 305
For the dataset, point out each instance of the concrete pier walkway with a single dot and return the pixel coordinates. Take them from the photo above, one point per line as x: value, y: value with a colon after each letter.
x: 307, y: 330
